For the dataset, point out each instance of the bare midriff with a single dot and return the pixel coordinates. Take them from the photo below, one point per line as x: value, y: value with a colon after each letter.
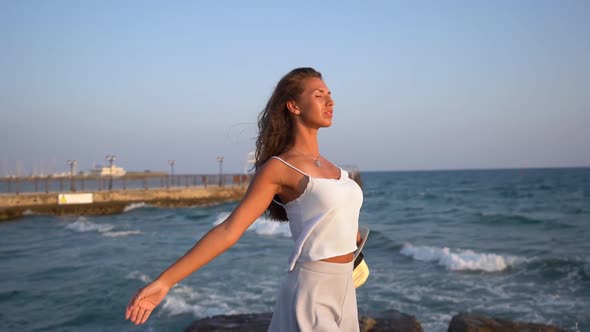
x: 346, y: 258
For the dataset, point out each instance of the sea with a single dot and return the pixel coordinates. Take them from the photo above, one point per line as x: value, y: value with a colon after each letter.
x: 511, y: 244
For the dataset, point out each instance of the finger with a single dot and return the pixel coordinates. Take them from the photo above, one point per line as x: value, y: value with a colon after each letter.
x: 129, y: 310
x: 142, y: 313
x: 139, y: 315
x: 134, y: 314
x: 145, y: 316
x: 130, y: 304
x: 137, y: 319
x: 133, y: 302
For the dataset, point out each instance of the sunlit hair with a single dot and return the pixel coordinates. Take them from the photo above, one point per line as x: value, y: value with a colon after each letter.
x: 275, y: 125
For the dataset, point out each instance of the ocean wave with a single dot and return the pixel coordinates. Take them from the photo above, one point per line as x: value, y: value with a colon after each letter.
x: 121, y: 233
x: 506, y: 219
x: 427, y: 195
x: 134, y: 206
x: 82, y: 224
x: 523, y: 220
x: 137, y: 275
x: 552, y: 268
x: 177, y: 300
x: 460, y: 260
x: 29, y: 212
x: 210, y: 304
x: 262, y: 226
x: 197, y: 214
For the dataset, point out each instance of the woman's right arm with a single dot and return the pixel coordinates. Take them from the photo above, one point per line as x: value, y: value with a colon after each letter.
x: 263, y: 187
x: 223, y: 236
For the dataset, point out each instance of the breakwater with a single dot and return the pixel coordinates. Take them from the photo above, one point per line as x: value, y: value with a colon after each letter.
x: 13, y: 206
x: 89, y: 182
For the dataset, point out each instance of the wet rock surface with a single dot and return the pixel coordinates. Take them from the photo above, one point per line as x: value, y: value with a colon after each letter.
x: 387, y: 321
x: 478, y: 323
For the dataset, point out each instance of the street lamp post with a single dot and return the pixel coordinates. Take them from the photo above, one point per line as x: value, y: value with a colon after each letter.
x: 171, y: 163
x: 220, y: 161
x: 111, y: 159
x: 72, y: 164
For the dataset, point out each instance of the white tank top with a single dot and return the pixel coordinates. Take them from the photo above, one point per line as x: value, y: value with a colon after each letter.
x: 324, y: 218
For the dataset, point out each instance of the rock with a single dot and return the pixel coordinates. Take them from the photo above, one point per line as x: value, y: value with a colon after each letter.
x: 226, y: 323
x: 389, y: 321
x: 478, y: 323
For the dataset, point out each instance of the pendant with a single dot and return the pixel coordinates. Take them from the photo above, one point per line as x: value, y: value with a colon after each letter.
x: 317, y: 163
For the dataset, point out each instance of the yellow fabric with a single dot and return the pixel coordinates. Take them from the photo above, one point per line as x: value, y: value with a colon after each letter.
x: 360, y: 274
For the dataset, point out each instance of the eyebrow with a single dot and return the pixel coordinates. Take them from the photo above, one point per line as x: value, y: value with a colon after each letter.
x: 322, y: 91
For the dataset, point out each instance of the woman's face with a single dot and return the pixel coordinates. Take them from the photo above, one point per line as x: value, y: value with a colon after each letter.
x: 315, y: 105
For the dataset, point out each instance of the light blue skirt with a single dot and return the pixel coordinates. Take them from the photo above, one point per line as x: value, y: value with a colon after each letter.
x: 316, y: 296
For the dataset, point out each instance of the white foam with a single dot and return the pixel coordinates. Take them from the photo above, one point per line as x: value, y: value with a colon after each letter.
x: 28, y: 212
x: 177, y: 303
x: 121, y: 233
x: 221, y: 218
x: 201, y: 302
x: 134, y: 206
x: 265, y: 226
x: 262, y: 226
x: 139, y: 276
x: 84, y: 225
x: 459, y: 260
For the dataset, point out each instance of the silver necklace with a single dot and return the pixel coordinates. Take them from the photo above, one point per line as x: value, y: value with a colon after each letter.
x: 316, y: 161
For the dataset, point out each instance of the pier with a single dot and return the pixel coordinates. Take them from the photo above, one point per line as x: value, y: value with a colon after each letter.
x: 36, y: 195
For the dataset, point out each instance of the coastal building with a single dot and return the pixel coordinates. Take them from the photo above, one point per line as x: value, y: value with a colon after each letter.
x: 106, y: 171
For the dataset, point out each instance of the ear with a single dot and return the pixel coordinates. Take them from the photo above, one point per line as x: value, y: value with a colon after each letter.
x: 292, y: 107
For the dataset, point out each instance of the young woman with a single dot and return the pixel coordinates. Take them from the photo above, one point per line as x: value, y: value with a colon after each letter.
x: 295, y: 183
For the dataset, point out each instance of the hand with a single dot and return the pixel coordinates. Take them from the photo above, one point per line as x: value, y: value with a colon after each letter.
x: 143, y: 303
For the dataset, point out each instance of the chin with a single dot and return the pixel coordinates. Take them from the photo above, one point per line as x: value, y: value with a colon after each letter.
x: 326, y: 125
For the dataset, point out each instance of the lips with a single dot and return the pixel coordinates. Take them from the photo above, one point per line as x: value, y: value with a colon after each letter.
x: 329, y: 113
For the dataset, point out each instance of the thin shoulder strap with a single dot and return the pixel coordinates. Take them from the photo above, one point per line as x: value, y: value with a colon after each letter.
x: 278, y: 203
x: 293, y: 167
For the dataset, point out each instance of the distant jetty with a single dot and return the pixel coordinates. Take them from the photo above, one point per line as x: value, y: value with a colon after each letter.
x: 14, y: 206
x: 90, y: 195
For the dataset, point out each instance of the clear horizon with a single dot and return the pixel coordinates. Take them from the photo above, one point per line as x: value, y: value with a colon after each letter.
x: 418, y: 86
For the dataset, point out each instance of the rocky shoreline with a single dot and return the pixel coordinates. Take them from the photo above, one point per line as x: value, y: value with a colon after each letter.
x: 387, y: 321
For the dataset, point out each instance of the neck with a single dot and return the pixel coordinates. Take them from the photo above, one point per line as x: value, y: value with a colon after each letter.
x: 306, y: 141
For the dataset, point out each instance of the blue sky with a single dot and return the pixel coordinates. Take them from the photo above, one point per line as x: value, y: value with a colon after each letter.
x: 417, y: 85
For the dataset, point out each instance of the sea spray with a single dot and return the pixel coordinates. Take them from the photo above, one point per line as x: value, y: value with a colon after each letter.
x: 460, y: 259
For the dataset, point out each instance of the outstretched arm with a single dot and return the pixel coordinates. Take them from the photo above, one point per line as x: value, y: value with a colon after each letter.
x: 223, y: 236
x: 264, y: 185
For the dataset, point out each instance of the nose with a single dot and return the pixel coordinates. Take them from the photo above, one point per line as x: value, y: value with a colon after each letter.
x: 330, y: 101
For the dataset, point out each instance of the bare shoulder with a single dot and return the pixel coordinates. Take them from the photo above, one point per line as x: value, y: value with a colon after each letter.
x: 273, y: 171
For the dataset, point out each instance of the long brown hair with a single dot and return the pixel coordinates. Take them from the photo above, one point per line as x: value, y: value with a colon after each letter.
x: 275, y: 125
